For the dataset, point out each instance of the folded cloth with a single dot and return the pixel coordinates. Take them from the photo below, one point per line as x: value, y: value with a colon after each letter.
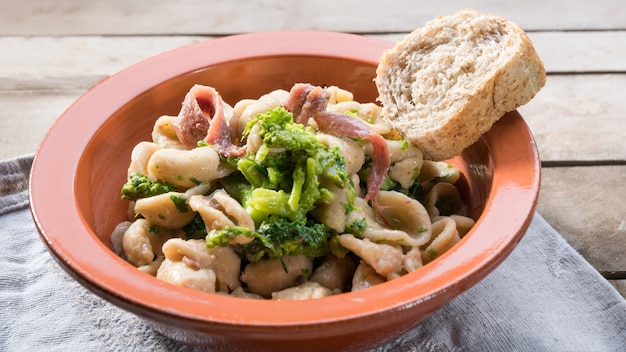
x: 543, y: 297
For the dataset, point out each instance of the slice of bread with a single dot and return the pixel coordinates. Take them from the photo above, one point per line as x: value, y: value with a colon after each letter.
x: 446, y: 84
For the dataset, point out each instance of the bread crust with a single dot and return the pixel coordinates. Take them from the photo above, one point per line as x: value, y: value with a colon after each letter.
x: 515, y: 78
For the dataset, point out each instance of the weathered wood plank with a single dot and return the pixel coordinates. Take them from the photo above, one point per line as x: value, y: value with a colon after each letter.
x: 77, y: 17
x: 586, y: 206
x: 80, y: 62
x: 579, y: 118
x: 572, y: 52
x: 589, y: 129
x: 26, y: 116
x: 51, y: 63
x: 581, y: 51
x: 579, y: 137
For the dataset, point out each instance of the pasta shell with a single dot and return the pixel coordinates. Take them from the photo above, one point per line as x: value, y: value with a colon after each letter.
x: 406, y: 214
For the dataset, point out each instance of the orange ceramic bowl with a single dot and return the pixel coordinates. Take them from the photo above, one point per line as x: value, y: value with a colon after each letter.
x: 81, y: 165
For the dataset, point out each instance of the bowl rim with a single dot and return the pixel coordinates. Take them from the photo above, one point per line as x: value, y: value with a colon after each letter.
x: 52, y: 180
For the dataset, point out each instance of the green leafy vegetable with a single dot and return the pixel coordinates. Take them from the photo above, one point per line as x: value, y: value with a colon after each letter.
x: 357, y: 227
x: 277, y: 236
x: 287, y: 171
x: 180, y: 202
x: 139, y: 186
x: 279, y: 185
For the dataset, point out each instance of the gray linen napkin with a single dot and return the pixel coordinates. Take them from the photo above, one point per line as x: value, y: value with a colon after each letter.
x: 544, y: 297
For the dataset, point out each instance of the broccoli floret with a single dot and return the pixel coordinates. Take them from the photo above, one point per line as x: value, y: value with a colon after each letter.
x: 296, y: 142
x: 277, y: 236
x: 139, y: 186
x: 278, y: 185
x: 287, y: 183
x: 278, y: 130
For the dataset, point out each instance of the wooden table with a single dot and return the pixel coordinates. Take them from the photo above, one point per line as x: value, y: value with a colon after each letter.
x: 51, y: 52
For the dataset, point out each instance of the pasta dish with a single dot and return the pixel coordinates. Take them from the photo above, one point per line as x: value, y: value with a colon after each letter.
x: 298, y: 194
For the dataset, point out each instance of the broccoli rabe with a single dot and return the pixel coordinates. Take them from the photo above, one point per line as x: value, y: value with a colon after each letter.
x: 277, y: 236
x: 287, y: 171
x: 279, y: 184
x: 139, y: 186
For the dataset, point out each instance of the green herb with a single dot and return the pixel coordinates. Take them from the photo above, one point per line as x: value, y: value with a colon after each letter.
x: 180, y: 202
x: 357, y: 227
x: 432, y: 254
x: 139, y: 186
x: 404, y: 144
x: 277, y: 236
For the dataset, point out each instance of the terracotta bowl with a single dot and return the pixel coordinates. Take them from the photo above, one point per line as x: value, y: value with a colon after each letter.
x: 81, y: 165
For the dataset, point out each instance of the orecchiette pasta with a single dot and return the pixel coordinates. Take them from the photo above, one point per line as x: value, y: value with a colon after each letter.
x: 334, y: 273
x: 333, y: 214
x: 445, y: 235
x: 463, y: 223
x: 139, y: 243
x: 186, y: 168
x: 272, y: 275
x: 140, y: 156
x: 418, y: 228
x: 444, y: 199
x: 303, y: 291
x: 365, y: 277
x: 386, y: 259
x: 299, y: 194
x: 434, y: 172
x: 354, y: 156
x: 164, y: 210
x: 224, y: 263
x: 178, y: 273
x: 407, y: 215
x: 164, y: 134
x: 245, y: 110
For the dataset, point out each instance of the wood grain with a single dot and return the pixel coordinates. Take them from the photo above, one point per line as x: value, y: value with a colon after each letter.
x: 585, y: 205
x: 579, y: 119
x: 565, y: 131
x: 78, y: 62
x: 572, y: 52
x: 185, y: 17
